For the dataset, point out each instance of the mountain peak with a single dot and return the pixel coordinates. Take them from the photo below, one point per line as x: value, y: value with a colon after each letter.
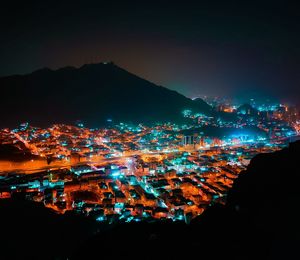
x: 98, y: 64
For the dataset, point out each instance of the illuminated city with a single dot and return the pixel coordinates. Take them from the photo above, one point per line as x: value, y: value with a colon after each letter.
x: 149, y: 130
x: 128, y: 172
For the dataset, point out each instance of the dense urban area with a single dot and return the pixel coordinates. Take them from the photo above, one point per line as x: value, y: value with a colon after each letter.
x: 128, y: 172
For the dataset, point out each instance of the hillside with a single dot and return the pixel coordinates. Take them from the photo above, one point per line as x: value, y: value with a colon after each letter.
x: 92, y: 93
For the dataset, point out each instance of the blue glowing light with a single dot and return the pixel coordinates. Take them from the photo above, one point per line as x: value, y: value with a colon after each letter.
x: 101, y: 218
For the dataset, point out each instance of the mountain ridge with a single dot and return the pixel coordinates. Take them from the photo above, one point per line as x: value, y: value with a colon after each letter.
x: 91, y: 93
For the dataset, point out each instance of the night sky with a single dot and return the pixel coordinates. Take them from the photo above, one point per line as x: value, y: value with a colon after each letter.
x: 228, y: 49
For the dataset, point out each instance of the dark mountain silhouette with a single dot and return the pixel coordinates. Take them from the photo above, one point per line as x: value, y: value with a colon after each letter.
x: 259, y: 221
x: 264, y: 200
x: 92, y: 93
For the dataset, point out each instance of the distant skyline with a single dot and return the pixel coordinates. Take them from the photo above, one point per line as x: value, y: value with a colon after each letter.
x: 231, y: 49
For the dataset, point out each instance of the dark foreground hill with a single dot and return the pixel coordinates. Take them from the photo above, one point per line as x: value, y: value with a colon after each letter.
x: 92, y: 93
x: 260, y: 221
x: 31, y: 231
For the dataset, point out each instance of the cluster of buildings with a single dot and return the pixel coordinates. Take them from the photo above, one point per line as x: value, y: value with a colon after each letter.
x: 177, y: 185
x: 126, y: 172
x: 263, y: 121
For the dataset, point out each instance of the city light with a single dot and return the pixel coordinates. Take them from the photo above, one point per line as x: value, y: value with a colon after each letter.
x: 139, y: 172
